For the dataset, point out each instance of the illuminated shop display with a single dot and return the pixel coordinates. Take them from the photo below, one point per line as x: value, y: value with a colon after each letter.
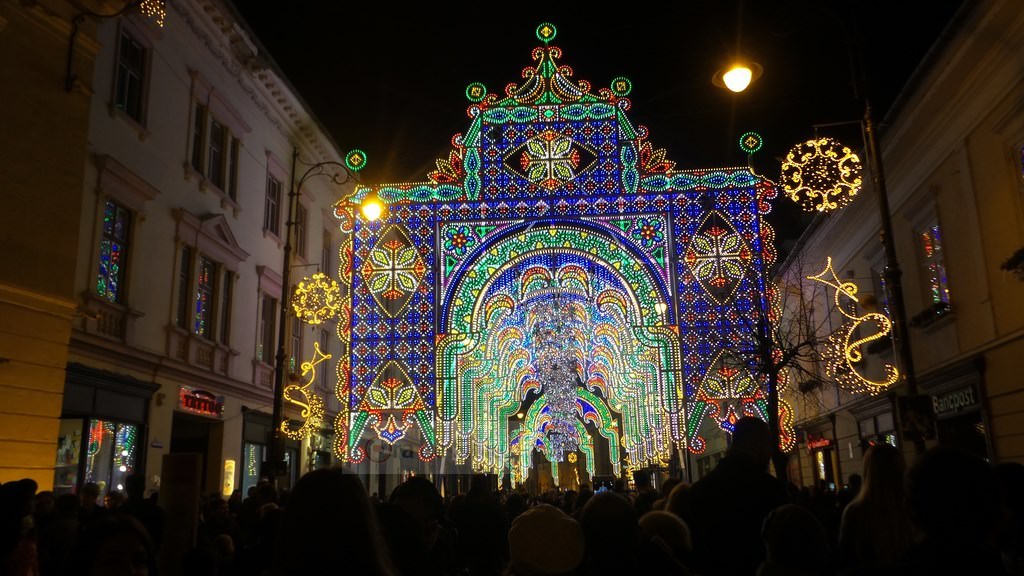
x: 554, y: 286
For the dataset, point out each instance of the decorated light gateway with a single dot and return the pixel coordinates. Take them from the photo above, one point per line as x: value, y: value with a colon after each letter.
x: 556, y: 292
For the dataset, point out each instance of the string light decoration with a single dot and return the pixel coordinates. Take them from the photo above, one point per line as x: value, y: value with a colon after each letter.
x: 751, y: 142
x: 303, y: 396
x: 355, y: 160
x: 821, y: 174
x: 155, y: 10
x: 317, y: 299
x: 453, y: 326
x: 842, y: 351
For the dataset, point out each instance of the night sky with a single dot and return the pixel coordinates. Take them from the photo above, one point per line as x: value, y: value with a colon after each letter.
x: 391, y: 79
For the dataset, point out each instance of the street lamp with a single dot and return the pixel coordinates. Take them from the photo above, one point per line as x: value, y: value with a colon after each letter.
x: 738, y: 76
x: 371, y: 208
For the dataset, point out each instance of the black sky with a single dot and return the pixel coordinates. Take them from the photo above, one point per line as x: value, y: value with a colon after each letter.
x: 389, y: 78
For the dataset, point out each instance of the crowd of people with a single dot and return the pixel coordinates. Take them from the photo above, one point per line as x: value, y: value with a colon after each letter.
x: 950, y: 513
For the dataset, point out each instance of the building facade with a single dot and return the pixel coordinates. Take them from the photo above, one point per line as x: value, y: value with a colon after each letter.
x: 193, y: 139
x: 953, y: 152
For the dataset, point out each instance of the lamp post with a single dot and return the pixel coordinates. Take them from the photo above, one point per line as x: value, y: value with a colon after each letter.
x: 372, y: 209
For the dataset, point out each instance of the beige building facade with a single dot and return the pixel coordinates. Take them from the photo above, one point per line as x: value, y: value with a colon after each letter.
x: 953, y: 152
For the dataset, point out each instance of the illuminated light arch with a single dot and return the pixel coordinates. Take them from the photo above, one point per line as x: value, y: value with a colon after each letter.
x: 608, y: 222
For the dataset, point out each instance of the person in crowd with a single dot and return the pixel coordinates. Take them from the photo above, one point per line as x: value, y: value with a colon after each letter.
x: 615, y: 544
x: 544, y: 541
x: 954, y: 503
x: 795, y: 544
x: 58, y: 538
x: 483, y: 529
x: 1010, y: 476
x: 734, y: 499
x: 645, y: 492
x: 90, y: 510
x: 678, y: 499
x: 115, y: 545
x: 329, y: 526
x: 875, y: 531
x: 146, y: 512
x: 668, y: 531
x: 412, y: 526
x: 849, y: 492
x: 18, y: 549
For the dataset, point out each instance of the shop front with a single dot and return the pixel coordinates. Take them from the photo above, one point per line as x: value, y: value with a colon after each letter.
x: 102, y: 429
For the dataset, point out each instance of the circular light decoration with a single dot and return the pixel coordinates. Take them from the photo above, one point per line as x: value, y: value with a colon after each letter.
x: 621, y: 86
x: 546, y: 32
x: 751, y: 142
x: 316, y: 299
x: 821, y: 174
x: 476, y: 91
x: 355, y: 160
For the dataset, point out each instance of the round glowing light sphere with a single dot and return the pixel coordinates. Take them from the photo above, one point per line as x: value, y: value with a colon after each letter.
x: 317, y: 299
x: 821, y: 175
x: 372, y: 207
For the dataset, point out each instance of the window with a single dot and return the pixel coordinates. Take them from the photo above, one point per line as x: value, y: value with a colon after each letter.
x: 295, y: 354
x: 184, y: 287
x: 881, y: 291
x: 300, y: 231
x: 198, y: 136
x: 216, y: 159
x: 214, y: 151
x: 272, y: 206
x: 325, y: 254
x: 204, y: 298
x: 224, y: 330
x: 113, y: 252
x: 129, y: 88
x: 268, y: 314
x: 934, y: 265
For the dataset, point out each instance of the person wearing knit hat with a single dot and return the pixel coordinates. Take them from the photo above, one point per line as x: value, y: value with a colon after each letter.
x: 544, y: 541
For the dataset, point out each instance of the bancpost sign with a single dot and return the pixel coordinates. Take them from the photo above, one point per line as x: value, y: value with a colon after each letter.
x: 955, y: 401
x: 200, y: 402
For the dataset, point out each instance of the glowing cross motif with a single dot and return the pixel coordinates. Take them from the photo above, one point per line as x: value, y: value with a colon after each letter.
x: 718, y: 258
x: 843, y: 348
x: 394, y: 269
x: 550, y: 159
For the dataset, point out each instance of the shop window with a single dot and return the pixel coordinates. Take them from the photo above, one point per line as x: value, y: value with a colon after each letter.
x: 113, y: 252
x: 295, y: 354
x: 325, y: 255
x: 253, y: 456
x: 107, y: 457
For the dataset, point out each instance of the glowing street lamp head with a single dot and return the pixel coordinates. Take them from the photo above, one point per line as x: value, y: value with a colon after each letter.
x: 738, y: 76
x: 372, y: 207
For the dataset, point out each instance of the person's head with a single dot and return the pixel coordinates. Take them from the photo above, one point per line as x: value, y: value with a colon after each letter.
x: 854, y: 483
x: 883, y: 474
x: 543, y: 540
x: 418, y: 497
x: 678, y: 499
x: 135, y: 486
x: 752, y: 438
x: 668, y: 529
x: 610, y: 528
x: 90, y: 493
x: 954, y: 497
x: 794, y: 542
x: 45, y: 502
x: 329, y: 522
x: 113, y: 499
x: 642, y: 479
x: 116, y: 546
